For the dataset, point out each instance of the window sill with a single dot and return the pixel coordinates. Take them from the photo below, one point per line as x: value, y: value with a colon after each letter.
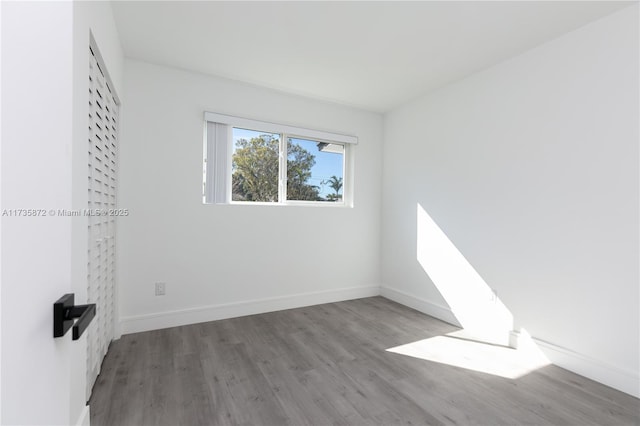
x: 287, y: 204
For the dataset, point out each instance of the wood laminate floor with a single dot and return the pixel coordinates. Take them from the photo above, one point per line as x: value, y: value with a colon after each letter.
x: 326, y: 365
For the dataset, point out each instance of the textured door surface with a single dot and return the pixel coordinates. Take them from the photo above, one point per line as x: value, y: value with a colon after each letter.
x: 103, y: 127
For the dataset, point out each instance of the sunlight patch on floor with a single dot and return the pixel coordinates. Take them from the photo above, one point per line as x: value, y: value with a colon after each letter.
x: 459, y: 350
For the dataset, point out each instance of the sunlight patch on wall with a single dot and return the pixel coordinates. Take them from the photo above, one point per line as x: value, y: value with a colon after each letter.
x: 457, y: 350
x: 471, y: 300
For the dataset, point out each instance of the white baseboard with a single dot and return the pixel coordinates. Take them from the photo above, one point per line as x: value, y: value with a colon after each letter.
x: 85, y: 417
x: 624, y: 380
x: 621, y: 379
x: 155, y: 321
x: 426, y: 307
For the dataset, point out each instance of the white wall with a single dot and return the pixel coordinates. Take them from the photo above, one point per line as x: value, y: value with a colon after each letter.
x: 531, y: 169
x: 1, y: 204
x: 227, y: 260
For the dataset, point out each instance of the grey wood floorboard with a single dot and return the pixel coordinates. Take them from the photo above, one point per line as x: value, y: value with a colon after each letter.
x: 329, y: 365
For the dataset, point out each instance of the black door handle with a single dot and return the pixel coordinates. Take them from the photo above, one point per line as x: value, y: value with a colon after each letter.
x: 64, y: 313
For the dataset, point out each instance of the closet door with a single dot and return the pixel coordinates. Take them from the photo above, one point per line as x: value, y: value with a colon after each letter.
x: 103, y: 130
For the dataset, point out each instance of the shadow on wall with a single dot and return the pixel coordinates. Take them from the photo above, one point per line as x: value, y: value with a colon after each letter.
x: 487, y: 341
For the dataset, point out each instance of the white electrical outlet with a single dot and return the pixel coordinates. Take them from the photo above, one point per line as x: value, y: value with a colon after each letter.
x: 161, y: 289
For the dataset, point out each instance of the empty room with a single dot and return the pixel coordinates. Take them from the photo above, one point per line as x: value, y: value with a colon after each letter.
x: 320, y: 213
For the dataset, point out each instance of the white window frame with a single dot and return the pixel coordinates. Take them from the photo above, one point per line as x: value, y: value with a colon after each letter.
x: 218, y: 152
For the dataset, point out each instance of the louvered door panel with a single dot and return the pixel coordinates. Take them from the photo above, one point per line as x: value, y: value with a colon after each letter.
x: 103, y: 126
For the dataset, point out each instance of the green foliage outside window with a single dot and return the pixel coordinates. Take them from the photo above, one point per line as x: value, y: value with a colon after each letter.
x: 255, y: 171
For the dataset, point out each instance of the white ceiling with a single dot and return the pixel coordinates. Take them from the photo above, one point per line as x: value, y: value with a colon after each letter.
x: 373, y: 55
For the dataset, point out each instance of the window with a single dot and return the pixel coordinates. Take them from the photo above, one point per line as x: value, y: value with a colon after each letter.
x: 255, y: 166
x: 248, y: 161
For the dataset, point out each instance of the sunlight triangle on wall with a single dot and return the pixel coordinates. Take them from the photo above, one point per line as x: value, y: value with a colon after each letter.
x: 471, y: 300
